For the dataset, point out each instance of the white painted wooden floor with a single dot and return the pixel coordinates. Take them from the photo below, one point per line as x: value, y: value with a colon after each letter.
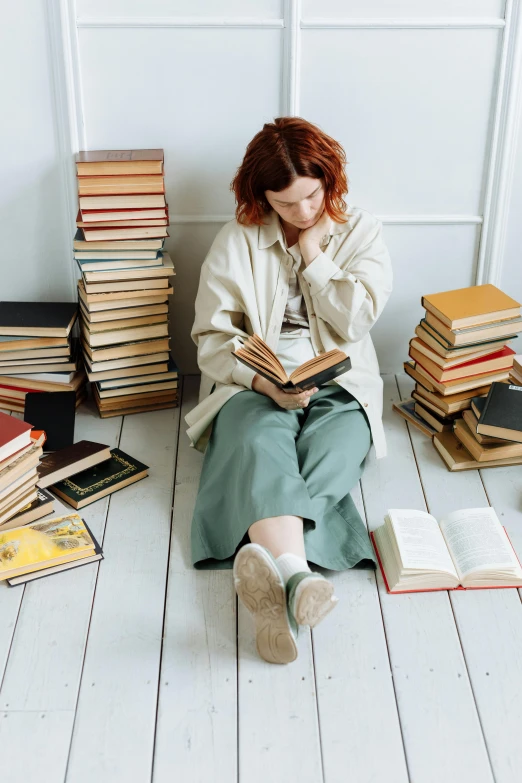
x: 143, y: 669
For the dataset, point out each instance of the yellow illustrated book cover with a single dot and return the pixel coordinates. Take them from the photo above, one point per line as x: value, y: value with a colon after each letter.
x: 43, y: 544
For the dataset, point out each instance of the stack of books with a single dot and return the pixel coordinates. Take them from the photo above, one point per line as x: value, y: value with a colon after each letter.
x: 19, y: 458
x: 124, y: 286
x: 489, y: 434
x: 461, y: 347
x: 37, y: 352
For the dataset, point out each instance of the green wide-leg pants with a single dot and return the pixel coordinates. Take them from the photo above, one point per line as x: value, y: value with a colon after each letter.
x: 262, y: 461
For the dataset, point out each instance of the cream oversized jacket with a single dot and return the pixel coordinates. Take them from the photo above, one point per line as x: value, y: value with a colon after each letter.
x: 243, y: 289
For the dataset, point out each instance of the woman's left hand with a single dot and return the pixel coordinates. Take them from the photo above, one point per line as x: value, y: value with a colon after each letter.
x: 310, y: 238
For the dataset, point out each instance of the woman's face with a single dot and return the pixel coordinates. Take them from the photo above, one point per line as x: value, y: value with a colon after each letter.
x: 300, y: 204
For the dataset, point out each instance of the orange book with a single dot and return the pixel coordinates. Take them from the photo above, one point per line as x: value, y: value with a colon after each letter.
x: 107, y: 162
x: 472, y: 306
x: 467, y: 549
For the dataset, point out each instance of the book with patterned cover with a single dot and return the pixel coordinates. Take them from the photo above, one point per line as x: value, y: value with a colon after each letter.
x: 103, y: 479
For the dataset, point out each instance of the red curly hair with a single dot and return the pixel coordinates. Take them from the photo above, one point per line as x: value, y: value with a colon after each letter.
x: 287, y: 148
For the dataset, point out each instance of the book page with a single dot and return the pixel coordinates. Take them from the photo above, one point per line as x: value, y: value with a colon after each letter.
x: 477, y: 541
x: 419, y: 540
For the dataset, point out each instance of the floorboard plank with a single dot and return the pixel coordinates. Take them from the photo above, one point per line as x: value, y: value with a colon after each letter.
x: 357, y: 706
x: 489, y: 622
x: 441, y: 730
x: 114, y: 728
x: 196, y: 733
x: 31, y: 746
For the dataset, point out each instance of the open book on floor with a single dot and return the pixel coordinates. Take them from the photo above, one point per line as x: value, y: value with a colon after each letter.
x: 257, y: 355
x: 467, y: 549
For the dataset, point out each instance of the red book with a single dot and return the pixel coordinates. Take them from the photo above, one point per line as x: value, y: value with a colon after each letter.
x: 14, y: 435
x: 494, y: 362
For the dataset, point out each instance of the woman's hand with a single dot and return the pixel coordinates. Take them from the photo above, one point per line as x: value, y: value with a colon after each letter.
x: 287, y: 400
x: 310, y: 238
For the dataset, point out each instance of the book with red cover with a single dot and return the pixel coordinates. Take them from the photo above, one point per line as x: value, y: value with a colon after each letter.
x: 14, y: 435
x: 475, y: 366
x: 439, y: 589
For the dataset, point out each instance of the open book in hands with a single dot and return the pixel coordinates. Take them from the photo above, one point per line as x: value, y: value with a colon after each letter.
x: 467, y: 549
x: 257, y: 355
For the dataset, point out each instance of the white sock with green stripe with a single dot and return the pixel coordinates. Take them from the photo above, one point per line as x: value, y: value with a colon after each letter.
x: 290, y: 564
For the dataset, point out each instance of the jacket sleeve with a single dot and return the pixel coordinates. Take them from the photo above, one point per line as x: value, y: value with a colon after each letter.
x: 350, y: 295
x: 217, y: 330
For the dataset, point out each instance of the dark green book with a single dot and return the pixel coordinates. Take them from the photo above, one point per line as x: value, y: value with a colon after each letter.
x: 102, y: 479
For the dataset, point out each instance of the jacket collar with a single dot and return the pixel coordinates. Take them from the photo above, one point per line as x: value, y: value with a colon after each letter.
x: 271, y: 230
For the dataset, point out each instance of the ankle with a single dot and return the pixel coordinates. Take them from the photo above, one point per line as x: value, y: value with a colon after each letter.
x: 290, y: 564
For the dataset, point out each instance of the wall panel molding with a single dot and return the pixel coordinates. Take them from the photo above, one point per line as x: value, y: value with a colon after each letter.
x: 179, y: 21
x: 291, y: 58
x: 405, y: 220
x: 502, y: 150
x: 406, y: 23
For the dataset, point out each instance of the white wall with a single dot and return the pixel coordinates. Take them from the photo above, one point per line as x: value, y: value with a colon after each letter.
x: 34, y: 238
x: 413, y: 102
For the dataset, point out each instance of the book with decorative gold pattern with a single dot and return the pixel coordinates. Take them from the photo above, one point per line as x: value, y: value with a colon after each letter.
x: 103, y: 479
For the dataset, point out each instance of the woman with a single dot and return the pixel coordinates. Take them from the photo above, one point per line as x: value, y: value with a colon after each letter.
x: 307, y: 275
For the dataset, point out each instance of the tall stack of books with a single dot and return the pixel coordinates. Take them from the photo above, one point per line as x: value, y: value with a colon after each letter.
x: 37, y: 351
x: 19, y: 458
x: 124, y: 286
x: 460, y: 349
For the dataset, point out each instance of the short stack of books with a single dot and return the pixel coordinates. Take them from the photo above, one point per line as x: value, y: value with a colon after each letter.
x: 37, y: 352
x: 19, y: 458
x: 124, y: 286
x: 461, y: 347
x: 489, y: 434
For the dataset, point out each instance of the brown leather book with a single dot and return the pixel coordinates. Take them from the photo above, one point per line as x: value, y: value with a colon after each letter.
x: 472, y: 306
x: 71, y: 460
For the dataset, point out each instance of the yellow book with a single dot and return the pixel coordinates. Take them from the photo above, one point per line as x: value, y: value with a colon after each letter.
x: 472, y: 306
x: 43, y: 544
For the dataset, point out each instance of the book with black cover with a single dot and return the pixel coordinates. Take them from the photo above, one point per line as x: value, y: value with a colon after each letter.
x: 54, y: 413
x: 98, y: 555
x: 501, y: 415
x: 257, y: 355
x: 67, y: 462
x: 101, y: 480
x: 37, y: 319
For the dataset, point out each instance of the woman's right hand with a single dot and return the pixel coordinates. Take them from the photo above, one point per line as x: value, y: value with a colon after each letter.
x: 287, y: 400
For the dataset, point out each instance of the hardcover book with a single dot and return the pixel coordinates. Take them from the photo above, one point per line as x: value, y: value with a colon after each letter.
x: 109, y: 162
x: 470, y: 335
x: 14, y: 435
x: 53, y: 412
x: 484, y: 452
x: 37, y: 319
x: 103, y: 479
x: 471, y: 306
x: 457, y: 457
x: 467, y: 549
x: 257, y: 355
x: 43, y: 544
x: 501, y: 415
x: 37, y: 509
x: 66, y: 462
x: 406, y: 409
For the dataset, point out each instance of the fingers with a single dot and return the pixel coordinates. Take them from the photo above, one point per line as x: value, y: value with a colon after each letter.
x: 294, y: 400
